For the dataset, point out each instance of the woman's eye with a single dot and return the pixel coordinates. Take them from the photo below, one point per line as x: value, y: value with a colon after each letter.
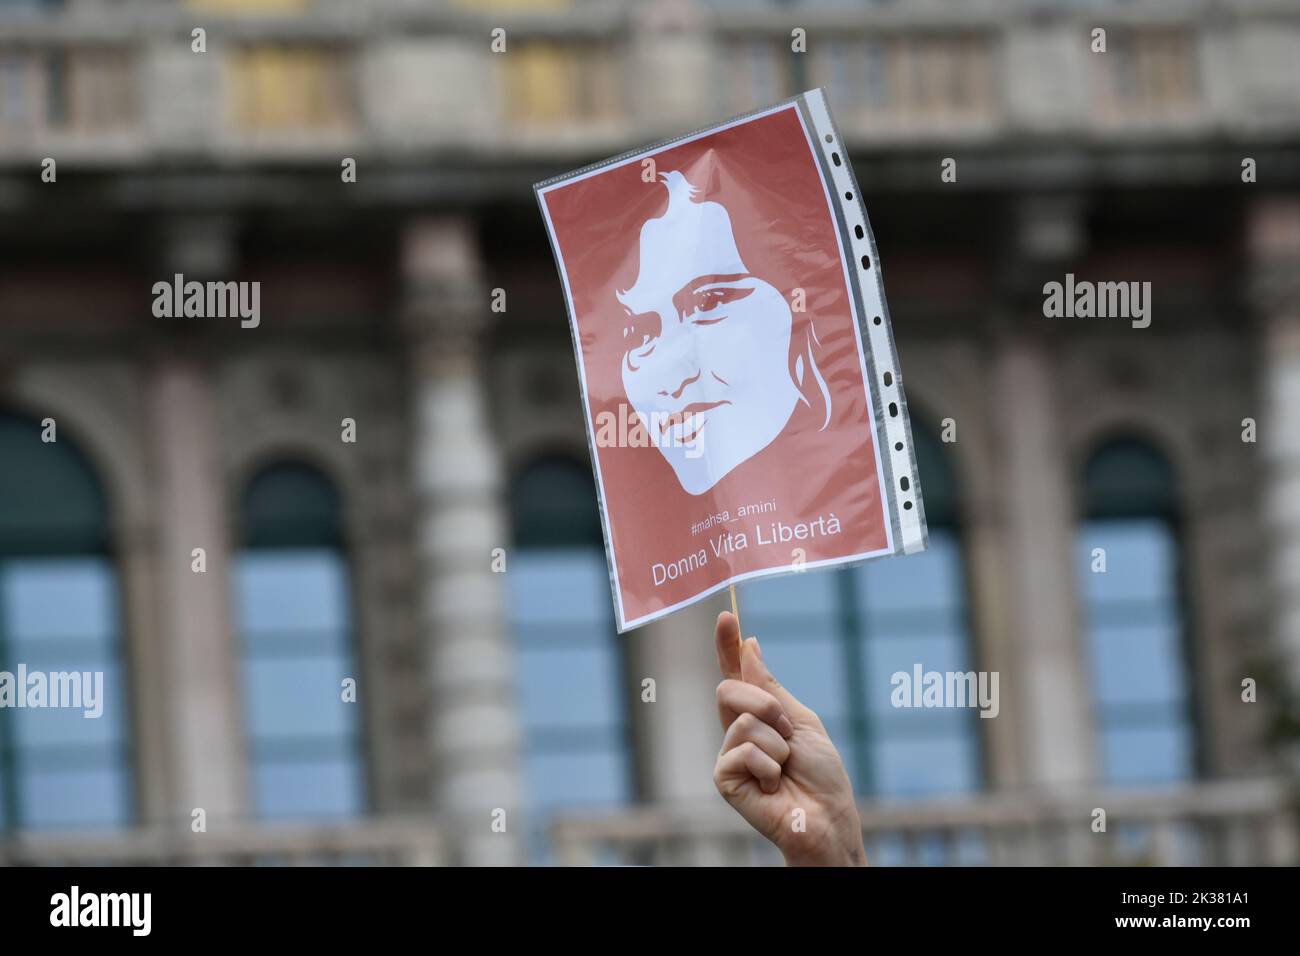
x: 711, y: 300
x: 708, y: 300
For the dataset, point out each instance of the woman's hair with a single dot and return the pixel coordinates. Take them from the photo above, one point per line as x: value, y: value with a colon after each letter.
x: 801, y: 370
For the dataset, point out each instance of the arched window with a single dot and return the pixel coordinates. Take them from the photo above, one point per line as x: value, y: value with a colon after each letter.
x: 569, y: 657
x: 1135, y: 617
x: 837, y: 639
x: 60, y: 626
x: 302, y: 707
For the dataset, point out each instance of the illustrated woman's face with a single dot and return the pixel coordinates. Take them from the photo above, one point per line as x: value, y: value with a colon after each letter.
x: 706, y: 344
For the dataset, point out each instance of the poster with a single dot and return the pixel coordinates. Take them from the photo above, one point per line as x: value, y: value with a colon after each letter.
x: 742, y: 394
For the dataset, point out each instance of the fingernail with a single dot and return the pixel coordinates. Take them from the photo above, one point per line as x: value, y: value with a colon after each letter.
x: 758, y: 649
x: 784, y: 727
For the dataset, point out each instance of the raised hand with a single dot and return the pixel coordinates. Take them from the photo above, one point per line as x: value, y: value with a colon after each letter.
x: 777, y: 759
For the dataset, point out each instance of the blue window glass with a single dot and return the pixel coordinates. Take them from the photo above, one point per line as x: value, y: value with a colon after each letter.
x: 65, y: 766
x: 14, y: 107
x: 294, y: 615
x: 1128, y: 568
x: 29, y: 6
x: 571, y: 686
x: 877, y: 91
x: 837, y: 638
x: 913, y: 615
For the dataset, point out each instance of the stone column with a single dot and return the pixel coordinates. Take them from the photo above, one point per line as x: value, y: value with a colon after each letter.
x: 204, y: 714
x: 678, y: 736
x: 992, y: 618
x: 1274, y: 235
x: 1052, y: 668
x: 475, y: 731
x: 668, y: 63
x: 142, y: 597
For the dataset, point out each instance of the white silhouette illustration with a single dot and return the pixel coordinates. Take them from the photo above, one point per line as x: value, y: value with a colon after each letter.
x: 709, y: 361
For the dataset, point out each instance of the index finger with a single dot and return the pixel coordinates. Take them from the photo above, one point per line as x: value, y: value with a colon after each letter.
x: 727, y: 638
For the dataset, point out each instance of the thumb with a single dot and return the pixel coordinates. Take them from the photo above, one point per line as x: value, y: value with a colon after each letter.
x: 754, y: 671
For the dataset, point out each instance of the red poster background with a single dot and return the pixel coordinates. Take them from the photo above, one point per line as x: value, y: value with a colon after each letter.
x: 764, y: 173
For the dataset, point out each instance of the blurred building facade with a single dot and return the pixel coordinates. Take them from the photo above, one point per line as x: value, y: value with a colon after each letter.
x: 351, y: 677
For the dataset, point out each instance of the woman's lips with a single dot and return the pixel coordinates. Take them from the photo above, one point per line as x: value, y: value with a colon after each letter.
x: 686, y: 422
x: 681, y: 416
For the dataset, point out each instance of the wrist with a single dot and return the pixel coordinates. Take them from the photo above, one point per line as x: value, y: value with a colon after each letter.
x: 838, y: 854
x: 839, y: 845
x: 833, y: 853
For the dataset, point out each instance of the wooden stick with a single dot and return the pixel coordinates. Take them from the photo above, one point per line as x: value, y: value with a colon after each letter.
x: 735, y: 610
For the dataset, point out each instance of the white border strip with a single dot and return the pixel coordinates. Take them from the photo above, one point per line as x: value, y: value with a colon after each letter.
x: 891, y: 413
